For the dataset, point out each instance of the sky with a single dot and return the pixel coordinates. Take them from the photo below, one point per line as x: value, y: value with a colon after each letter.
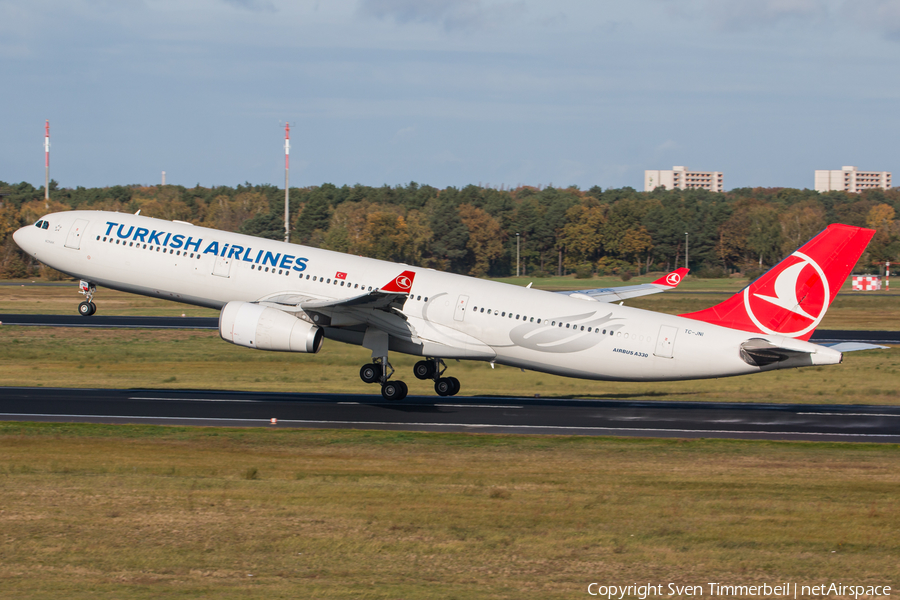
x: 446, y: 92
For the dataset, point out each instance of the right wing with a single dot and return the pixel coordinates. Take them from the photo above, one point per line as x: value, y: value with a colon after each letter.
x: 663, y: 284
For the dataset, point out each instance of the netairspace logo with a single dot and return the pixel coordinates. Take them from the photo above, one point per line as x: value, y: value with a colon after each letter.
x: 716, y: 589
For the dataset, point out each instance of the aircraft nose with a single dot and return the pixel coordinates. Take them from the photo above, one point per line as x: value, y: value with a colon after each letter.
x: 20, y: 236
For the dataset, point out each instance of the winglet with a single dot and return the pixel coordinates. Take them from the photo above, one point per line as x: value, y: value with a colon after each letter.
x: 672, y: 279
x: 401, y: 283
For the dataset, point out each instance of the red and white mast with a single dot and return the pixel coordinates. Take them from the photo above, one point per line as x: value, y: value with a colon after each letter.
x: 287, y: 156
x: 47, y: 164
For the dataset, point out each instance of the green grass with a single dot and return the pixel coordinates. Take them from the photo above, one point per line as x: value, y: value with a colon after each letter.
x: 95, y: 511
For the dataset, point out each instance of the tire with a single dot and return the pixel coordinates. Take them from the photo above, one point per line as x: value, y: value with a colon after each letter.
x: 405, y: 390
x: 455, y: 382
x: 84, y: 309
x: 424, y: 369
x: 393, y: 390
x: 93, y: 307
x: 369, y: 373
x: 443, y: 386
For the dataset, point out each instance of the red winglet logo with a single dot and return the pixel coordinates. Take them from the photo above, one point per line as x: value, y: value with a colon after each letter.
x: 791, y: 298
x: 401, y: 283
x: 673, y: 278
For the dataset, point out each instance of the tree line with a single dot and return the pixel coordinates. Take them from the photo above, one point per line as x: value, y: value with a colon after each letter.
x: 475, y: 230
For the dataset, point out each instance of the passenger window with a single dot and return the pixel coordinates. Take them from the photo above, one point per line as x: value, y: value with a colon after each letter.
x: 489, y: 311
x: 503, y: 314
x: 582, y: 328
x: 539, y: 320
x: 567, y: 325
x: 482, y: 310
x: 553, y: 323
x: 532, y: 319
x: 329, y: 280
x: 517, y: 317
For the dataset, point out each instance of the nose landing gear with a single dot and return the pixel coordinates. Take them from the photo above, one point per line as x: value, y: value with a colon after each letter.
x: 87, y: 308
x: 433, y: 368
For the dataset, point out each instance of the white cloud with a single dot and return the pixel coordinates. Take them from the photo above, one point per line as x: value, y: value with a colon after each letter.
x: 742, y: 15
x: 878, y: 15
x: 450, y: 14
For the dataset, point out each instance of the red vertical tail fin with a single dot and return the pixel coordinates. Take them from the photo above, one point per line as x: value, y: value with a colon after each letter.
x: 791, y: 298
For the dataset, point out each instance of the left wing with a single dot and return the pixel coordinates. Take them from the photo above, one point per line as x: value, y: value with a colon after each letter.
x: 663, y: 284
x: 380, y: 308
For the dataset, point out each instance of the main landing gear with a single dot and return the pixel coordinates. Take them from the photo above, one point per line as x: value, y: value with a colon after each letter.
x: 381, y: 371
x: 433, y: 368
x: 87, y: 308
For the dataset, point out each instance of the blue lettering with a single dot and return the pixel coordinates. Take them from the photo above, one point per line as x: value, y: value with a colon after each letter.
x: 190, y: 243
x: 213, y: 248
x: 140, y: 233
x: 300, y: 264
x: 269, y: 258
x: 224, y: 250
x: 235, y: 251
x: 286, y: 261
x: 111, y: 225
x: 246, y: 254
x: 119, y: 232
x: 166, y: 241
x: 154, y: 237
x: 177, y: 240
x: 258, y: 256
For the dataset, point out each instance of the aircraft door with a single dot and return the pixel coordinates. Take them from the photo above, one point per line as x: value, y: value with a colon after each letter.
x: 222, y: 267
x: 74, y: 239
x: 460, y: 313
x: 665, y: 342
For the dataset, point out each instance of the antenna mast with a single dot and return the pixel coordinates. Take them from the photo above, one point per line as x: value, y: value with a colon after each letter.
x: 287, y: 156
x: 47, y: 165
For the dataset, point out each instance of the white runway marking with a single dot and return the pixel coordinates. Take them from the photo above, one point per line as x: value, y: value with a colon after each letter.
x: 469, y: 425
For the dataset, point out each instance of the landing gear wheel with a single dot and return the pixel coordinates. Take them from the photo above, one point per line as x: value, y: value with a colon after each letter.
x: 84, y: 309
x: 93, y: 307
x: 443, y: 387
x: 394, y: 390
x: 424, y: 369
x: 455, y: 382
x: 370, y: 373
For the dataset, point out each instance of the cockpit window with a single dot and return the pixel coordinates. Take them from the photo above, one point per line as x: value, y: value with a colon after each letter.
x: 39, y: 223
x: 46, y: 225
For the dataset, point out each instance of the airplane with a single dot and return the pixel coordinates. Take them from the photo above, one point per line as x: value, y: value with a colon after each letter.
x: 286, y: 297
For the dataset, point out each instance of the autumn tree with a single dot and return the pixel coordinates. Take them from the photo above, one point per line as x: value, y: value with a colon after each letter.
x: 485, y: 238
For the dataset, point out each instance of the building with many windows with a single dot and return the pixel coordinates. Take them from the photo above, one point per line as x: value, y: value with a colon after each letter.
x: 682, y: 179
x: 849, y: 179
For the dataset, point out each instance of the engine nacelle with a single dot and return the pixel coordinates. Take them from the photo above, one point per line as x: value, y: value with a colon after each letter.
x: 254, y: 326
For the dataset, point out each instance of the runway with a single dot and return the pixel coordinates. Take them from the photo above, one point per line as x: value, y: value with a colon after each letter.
x: 75, y: 320
x: 844, y: 423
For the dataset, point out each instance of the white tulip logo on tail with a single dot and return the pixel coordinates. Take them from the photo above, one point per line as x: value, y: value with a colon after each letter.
x: 798, y: 298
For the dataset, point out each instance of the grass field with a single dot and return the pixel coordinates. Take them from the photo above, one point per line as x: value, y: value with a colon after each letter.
x: 91, y: 511
x: 120, y: 358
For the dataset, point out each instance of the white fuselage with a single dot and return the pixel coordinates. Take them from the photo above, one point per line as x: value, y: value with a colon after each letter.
x: 448, y: 316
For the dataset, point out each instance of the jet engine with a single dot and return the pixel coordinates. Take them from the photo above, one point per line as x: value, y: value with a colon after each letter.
x: 264, y: 328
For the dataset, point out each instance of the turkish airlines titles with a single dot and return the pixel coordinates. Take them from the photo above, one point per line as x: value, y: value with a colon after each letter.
x: 227, y: 251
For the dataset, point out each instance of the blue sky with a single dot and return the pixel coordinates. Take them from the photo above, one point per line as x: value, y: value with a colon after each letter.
x: 447, y: 92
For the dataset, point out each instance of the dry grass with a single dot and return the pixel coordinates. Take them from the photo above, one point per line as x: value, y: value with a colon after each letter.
x: 90, y: 511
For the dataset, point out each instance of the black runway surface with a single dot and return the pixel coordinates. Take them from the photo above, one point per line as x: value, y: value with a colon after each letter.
x: 843, y: 423
x: 75, y: 320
